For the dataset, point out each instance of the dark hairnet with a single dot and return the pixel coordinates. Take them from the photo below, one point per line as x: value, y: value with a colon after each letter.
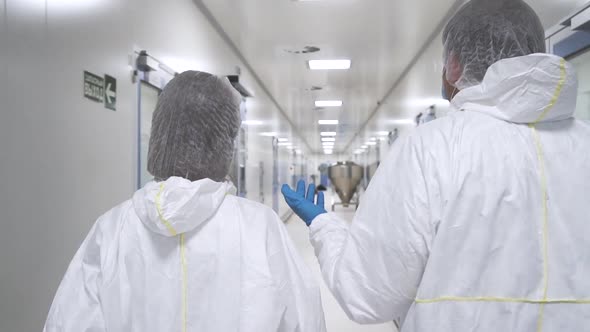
x: 486, y: 31
x: 194, y: 127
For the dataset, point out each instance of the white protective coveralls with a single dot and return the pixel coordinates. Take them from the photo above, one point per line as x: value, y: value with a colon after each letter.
x: 185, y: 256
x: 479, y: 221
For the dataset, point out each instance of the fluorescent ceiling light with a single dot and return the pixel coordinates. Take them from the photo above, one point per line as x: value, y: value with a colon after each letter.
x: 328, y: 152
x: 402, y: 121
x: 253, y: 122
x: 372, y: 139
x: 298, y: 151
x: 269, y: 134
x: 359, y: 151
x: 69, y: 6
x: 328, y: 103
x: 328, y: 122
x: 328, y: 64
x: 383, y: 133
x: 371, y: 143
x: 284, y: 144
x: 328, y: 139
x: 364, y: 147
x: 283, y: 140
x: 328, y: 133
x: 328, y: 143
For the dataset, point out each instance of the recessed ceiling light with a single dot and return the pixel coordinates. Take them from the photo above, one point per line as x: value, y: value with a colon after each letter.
x: 328, y: 139
x: 328, y: 103
x: 284, y: 144
x: 252, y: 122
x: 328, y: 122
x: 298, y: 151
x: 329, y: 64
x: 359, y: 151
x: 328, y: 133
x: 283, y: 140
x: 328, y: 146
x: 372, y: 139
x: 328, y: 152
x: 383, y: 133
x: 364, y: 147
x: 269, y: 134
x: 371, y: 143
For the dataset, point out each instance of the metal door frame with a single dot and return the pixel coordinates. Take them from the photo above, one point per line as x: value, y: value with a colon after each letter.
x: 152, y: 72
x: 571, y: 36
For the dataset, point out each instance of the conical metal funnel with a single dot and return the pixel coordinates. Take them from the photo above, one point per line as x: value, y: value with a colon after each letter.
x: 345, y: 177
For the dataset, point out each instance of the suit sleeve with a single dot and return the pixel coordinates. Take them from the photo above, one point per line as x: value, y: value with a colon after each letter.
x: 374, y: 265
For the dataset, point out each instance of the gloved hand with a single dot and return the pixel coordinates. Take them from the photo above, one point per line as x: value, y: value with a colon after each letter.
x: 303, y: 205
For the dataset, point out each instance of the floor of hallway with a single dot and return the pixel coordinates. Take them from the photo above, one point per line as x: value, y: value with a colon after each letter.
x: 336, y: 319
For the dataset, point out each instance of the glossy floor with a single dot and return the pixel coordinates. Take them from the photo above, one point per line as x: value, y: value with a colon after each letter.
x: 336, y: 319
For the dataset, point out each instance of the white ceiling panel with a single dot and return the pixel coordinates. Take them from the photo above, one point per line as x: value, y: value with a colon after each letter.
x: 381, y: 37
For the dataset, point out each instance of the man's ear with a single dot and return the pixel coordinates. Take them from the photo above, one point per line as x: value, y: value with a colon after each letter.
x: 454, y: 69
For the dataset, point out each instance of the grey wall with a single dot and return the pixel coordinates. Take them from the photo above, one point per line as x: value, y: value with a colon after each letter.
x: 64, y: 159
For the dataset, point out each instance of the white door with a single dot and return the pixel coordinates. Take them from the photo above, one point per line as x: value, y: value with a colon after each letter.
x: 148, y: 101
x: 582, y: 64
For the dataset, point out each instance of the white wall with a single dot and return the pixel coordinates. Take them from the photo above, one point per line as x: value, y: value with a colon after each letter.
x: 64, y: 159
x: 421, y: 87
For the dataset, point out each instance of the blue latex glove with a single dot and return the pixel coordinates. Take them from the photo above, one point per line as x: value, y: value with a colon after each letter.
x: 303, y: 205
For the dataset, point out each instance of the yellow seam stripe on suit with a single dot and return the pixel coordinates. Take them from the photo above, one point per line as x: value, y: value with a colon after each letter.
x: 545, y: 225
x: 560, y: 84
x: 182, y: 256
x: 545, y: 300
x: 501, y: 300
x: 539, y: 145
x: 160, y: 215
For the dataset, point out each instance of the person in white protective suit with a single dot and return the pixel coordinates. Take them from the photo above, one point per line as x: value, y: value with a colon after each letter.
x: 184, y: 254
x: 478, y: 221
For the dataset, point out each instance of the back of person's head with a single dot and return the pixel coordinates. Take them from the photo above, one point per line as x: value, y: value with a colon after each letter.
x: 194, y: 127
x: 484, y: 32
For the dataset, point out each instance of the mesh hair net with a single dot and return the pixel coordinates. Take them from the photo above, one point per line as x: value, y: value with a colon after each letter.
x: 194, y: 126
x: 486, y: 31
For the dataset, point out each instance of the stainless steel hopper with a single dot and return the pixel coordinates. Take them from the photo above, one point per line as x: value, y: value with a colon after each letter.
x: 345, y: 177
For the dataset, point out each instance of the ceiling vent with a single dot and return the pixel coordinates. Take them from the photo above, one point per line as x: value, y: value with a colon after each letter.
x: 314, y: 88
x: 305, y: 50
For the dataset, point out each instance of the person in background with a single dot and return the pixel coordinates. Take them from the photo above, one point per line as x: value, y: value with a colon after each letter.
x: 184, y: 254
x: 429, y: 116
x: 418, y: 118
x: 477, y: 221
